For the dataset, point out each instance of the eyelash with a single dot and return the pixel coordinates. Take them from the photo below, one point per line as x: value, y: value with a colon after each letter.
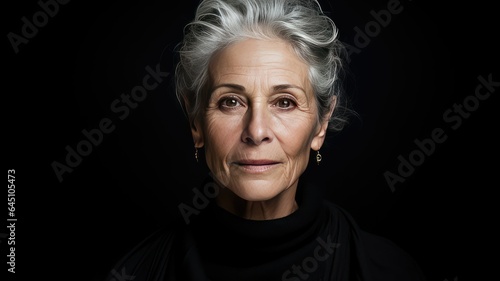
x: 293, y: 104
x: 221, y: 102
x: 224, y: 99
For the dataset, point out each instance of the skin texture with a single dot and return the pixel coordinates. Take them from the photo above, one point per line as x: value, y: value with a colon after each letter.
x: 259, y: 127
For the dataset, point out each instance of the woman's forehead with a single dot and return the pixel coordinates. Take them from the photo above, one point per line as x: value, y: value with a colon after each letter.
x: 253, y: 58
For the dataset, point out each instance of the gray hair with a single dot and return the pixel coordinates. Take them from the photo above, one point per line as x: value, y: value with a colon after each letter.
x: 301, y: 23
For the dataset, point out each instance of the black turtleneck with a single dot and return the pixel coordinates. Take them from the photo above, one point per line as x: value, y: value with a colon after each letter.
x: 319, y: 241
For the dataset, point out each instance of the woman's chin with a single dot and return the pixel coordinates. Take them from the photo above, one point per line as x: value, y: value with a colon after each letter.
x: 258, y: 190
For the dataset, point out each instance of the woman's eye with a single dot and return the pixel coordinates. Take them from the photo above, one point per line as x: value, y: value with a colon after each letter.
x: 229, y: 102
x: 285, y: 103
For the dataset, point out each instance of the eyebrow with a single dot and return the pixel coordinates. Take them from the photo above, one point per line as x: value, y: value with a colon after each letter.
x: 229, y: 85
x: 242, y: 89
x: 286, y: 86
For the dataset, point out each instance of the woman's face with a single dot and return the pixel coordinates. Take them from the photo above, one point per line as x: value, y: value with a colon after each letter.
x: 261, y: 120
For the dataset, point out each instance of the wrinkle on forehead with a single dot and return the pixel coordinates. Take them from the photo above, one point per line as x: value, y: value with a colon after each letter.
x: 251, y: 59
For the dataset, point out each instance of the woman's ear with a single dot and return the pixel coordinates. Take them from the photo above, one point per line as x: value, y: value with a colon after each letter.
x: 194, y: 124
x: 197, y: 133
x: 320, y: 135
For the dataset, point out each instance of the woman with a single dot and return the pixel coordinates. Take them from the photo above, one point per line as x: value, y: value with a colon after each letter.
x: 260, y: 83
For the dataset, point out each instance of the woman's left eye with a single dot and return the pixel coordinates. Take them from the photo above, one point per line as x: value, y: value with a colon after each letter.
x: 285, y: 103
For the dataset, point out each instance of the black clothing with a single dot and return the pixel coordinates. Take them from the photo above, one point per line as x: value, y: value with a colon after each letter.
x: 319, y: 241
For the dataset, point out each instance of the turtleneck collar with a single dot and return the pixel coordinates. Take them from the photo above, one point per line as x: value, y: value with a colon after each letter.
x: 227, y: 242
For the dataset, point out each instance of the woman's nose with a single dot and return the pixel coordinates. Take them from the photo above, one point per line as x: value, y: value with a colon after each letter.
x: 257, y: 125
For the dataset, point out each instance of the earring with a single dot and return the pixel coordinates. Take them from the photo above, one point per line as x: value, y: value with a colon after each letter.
x: 196, y: 154
x: 318, y: 157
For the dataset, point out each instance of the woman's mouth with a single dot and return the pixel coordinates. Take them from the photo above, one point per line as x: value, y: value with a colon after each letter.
x: 256, y: 165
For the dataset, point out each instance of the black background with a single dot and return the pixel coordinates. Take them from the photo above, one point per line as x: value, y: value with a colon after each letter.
x: 66, y: 77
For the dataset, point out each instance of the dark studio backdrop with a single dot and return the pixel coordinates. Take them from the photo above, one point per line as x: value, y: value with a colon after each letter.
x: 88, y: 92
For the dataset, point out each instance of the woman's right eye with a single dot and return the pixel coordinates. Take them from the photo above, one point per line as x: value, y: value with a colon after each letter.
x: 229, y: 102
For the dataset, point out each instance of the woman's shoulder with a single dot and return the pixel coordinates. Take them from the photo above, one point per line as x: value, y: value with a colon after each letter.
x: 385, y: 256
x: 378, y: 257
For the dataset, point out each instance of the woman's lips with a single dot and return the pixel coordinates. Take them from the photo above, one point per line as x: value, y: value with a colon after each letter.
x: 256, y: 166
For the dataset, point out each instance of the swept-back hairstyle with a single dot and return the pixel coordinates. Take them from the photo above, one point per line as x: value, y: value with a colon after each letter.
x: 301, y: 23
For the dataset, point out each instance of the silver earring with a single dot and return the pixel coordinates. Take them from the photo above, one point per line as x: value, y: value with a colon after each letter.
x: 196, y: 154
x: 318, y: 157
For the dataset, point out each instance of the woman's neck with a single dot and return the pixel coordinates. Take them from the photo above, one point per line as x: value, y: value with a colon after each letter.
x: 279, y: 206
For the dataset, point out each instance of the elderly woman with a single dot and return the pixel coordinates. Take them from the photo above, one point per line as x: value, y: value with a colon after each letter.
x: 259, y: 81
